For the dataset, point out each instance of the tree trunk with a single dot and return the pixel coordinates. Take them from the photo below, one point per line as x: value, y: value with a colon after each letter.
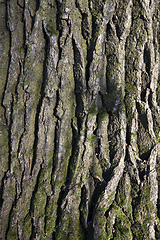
x: 79, y: 119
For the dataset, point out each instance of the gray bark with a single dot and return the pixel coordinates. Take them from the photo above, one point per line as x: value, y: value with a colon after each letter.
x: 79, y: 119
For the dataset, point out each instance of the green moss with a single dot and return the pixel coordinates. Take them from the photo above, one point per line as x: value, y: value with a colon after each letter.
x: 39, y: 201
x: 27, y: 226
x: 102, y: 114
x: 51, y: 26
x: 12, y: 235
x: 130, y: 88
x: 143, y: 215
x: 92, y: 140
x: 157, y: 131
x: 121, y: 198
x: 50, y: 225
x: 61, y: 5
x: 122, y: 228
x: 95, y: 6
x: 17, y: 168
x: 118, y: 223
x: 143, y: 148
x: 69, y: 230
x: 92, y: 110
x: 4, y: 152
x: 50, y: 163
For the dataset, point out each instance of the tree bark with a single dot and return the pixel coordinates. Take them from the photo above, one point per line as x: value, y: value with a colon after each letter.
x: 80, y: 119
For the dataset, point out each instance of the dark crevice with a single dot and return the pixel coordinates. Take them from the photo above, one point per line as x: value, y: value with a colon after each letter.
x: 59, y: 28
x: 98, y: 148
x: 18, y: 3
x: 83, y: 204
x: 85, y: 26
x: 143, y: 171
x: 116, y: 22
x: 78, y: 78
x: 57, y: 102
x: 143, y: 95
x: 96, y: 179
x: 107, y: 175
x: 74, y: 155
x: 145, y: 84
x: 21, y: 185
x: 60, y: 49
x: 127, y: 102
x: 18, y: 80
x: 62, y: 195
x: 37, y: 5
x: 69, y: 26
x: 54, y: 235
x: 78, y: 6
x: 84, y: 23
x: 147, y: 59
x: 128, y: 134
x: 128, y: 125
x: 99, y: 189
x: 1, y: 190
x: 85, y: 137
x: 33, y: 232
x: 45, y: 217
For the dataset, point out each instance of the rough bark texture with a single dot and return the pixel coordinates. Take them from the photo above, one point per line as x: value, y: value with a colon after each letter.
x: 79, y: 119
